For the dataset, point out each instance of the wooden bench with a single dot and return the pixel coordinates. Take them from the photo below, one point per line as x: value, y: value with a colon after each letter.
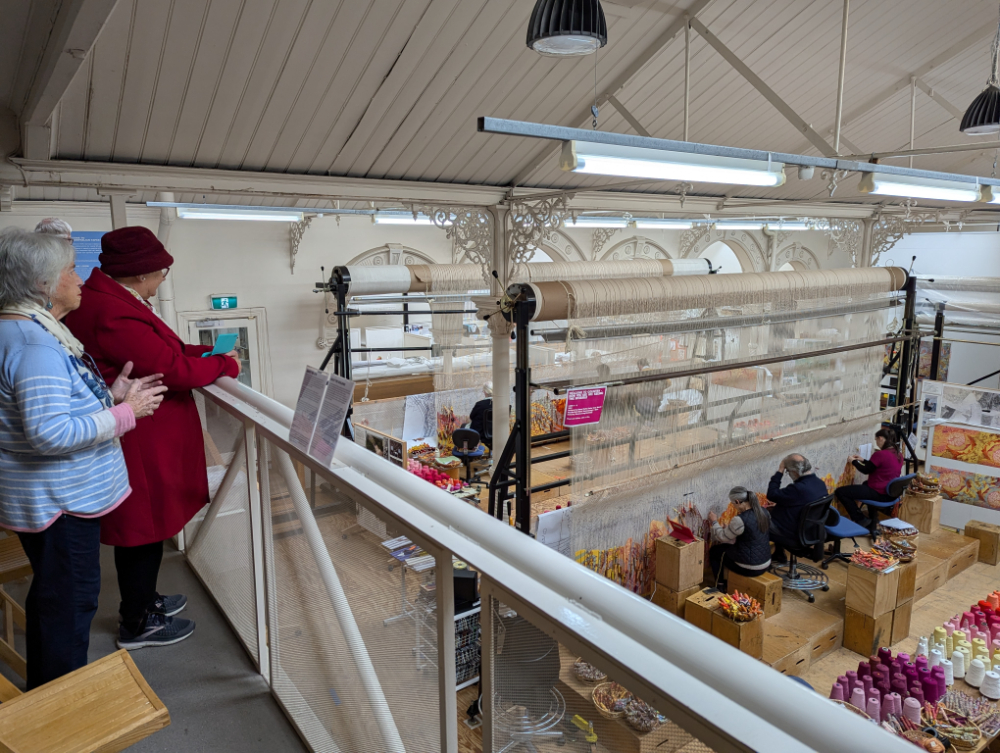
x: 106, y: 706
x: 14, y: 565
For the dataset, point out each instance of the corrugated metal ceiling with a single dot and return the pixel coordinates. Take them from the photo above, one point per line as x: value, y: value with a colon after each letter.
x: 391, y: 88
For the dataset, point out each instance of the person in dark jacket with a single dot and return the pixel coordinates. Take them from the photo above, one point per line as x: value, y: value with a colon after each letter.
x: 477, y: 418
x: 743, y: 546
x: 805, y: 488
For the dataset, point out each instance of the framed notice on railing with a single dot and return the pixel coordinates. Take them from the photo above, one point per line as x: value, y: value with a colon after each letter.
x: 384, y: 445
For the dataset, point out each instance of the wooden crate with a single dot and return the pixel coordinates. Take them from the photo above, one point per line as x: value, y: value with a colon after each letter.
x: 963, y: 557
x: 931, y: 575
x: 105, y: 706
x: 748, y: 637
x: 765, y: 588
x: 679, y: 566
x: 923, y: 513
x: 907, y: 582
x: 901, y: 622
x: 671, y: 600
x: 801, y: 635
x: 864, y: 634
x: 700, y: 606
x: 870, y: 592
x: 988, y: 535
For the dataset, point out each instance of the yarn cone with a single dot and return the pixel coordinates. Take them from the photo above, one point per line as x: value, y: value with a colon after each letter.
x: 976, y: 673
x: 911, y: 710
x: 837, y: 692
x: 991, y: 685
x: 949, y: 672
x: 958, y: 664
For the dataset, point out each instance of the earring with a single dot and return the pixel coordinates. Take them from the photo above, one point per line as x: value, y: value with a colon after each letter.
x: 49, y: 305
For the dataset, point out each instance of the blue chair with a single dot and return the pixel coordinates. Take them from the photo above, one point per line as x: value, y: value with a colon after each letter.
x: 837, y: 528
x: 894, y: 489
x: 467, y: 449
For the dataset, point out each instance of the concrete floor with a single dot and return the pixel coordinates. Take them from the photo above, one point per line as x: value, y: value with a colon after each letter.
x: 216, y: 699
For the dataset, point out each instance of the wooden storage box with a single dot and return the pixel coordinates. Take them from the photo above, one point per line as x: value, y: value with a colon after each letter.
x: 748, y: 637
x: 923, y: 513
x: 671, y: 600
x: 931, y: 574
x: 679, y: 566
x: 901, y: 622
x: 988, y: 535
x: 864, y: 634
x: 700, y: 606
x: 907, y: 584
x: 870, y: 592
x: 765, y: 588
x: 964, y: 557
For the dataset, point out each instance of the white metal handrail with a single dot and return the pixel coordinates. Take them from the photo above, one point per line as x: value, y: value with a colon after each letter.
x: 720, y: 695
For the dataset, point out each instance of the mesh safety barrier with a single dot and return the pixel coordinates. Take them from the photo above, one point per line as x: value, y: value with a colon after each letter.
x: 218, y: 539
x: 353, y: 635
x: 547, y: 698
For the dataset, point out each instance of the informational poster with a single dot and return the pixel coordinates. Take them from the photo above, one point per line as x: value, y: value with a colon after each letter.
x: 88, y: 248
x: 943, y: 402
x: 319, y: 414
x: 584, y: 405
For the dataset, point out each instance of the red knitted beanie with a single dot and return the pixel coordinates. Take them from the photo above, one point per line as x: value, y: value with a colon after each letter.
x: 132, y: 251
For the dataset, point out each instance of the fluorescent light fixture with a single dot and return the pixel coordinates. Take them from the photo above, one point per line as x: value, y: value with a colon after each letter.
x: 401, y: 218
x: 739, y: 225
x: 216, y: 213
x: 656, y: 164
x: 597, y: 222
x: 650, y: 223
x: 884, y: 184
x: 789, y: 226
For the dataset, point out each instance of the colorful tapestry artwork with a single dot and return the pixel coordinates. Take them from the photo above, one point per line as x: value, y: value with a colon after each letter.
x: 632, y: 566
x: 970, y: 488
x: 972, y: 446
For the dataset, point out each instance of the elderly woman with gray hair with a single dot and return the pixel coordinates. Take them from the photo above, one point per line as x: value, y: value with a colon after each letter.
x: 60, y: 456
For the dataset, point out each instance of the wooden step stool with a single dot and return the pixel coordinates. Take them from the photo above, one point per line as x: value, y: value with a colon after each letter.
x: 106, y: 706
x: 14, y: 565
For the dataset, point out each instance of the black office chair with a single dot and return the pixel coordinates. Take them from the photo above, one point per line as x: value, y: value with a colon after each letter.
x: 808, y: 542
x: 488, y: 429
x: 467, y: 449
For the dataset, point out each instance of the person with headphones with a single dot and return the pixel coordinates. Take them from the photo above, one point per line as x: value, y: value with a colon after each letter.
x: 743, y: 546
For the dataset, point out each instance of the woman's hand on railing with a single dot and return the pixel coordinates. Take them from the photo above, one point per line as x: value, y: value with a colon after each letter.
x: 236, y: 357
x: 122, y: 384
x: 143, y: 401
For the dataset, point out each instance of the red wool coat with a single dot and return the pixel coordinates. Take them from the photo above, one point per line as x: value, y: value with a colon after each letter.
x: 165, y: 453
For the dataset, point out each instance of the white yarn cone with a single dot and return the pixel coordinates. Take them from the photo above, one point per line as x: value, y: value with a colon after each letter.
x: 976, y: 673
x: 991, y: 685
x: 949, y: 672
x: 935, y: 657
x: 922, y: 647
x: 958, y: 664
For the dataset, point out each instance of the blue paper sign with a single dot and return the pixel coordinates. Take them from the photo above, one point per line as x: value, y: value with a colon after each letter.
x: 88, y: 247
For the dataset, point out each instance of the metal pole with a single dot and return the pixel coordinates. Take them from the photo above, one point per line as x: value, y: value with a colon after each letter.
x: 500, y: 337
x: 906, y: 356
x: 687, y: 74
x: 913, y: 112
x: 936, y: 343
x: 840, y: 78
x: 522, y: 407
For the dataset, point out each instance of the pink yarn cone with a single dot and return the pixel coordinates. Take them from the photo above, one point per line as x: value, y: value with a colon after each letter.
x: 866, y: 681
x: 903, y: 657
x: 874, y: 708
x: 885, y: 655
x: 917, y: 692
x: 858, y: 699
x: 897, y: 705
x: 837, y: 692
x: 994, y: 601
x: 911, y: 710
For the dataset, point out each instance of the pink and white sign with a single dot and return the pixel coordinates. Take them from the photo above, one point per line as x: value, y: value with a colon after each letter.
x: 584, y: 405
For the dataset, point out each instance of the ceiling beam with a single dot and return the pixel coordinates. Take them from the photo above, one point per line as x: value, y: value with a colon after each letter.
x: 923, y: 151
x: 769, y: 94
x: 73, y: 35
x: 632, y: 121
x: 618, y: 83
x: 952, y: 110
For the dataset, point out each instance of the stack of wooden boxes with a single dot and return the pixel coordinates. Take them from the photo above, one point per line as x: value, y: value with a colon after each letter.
x: 702, y: 609
x: 679, y: 571
x: 878, y: 606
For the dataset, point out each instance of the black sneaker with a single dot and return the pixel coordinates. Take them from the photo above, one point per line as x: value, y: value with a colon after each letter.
x: 168, y: 606
x: 159, y: 630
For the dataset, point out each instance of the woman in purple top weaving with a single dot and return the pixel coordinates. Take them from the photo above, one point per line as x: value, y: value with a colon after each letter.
x: 885, y: 464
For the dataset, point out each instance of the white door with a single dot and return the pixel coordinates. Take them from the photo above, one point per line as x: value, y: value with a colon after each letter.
x: 250, y: 327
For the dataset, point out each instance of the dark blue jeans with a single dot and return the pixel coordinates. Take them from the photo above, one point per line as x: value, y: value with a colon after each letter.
x: 62, y: 600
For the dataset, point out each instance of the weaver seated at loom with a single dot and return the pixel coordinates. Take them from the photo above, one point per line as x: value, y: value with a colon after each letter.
x: 478, y: 416
x: 806, y: 487
x: 743, y: 545
x: 886, y: 464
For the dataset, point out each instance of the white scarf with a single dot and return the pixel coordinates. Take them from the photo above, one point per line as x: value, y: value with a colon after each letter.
x: 52, y: 325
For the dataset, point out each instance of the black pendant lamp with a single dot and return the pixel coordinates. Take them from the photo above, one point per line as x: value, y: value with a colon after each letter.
x: 564, y: 28
x: 983, y: 115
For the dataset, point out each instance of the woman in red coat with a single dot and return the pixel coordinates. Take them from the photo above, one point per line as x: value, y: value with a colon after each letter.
x: 165, y: 454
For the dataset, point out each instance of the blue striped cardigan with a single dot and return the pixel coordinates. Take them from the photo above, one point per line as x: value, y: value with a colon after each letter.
x: 57, y: 452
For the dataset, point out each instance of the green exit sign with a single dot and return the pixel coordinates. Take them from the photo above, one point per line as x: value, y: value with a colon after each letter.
x: 220, y: 302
